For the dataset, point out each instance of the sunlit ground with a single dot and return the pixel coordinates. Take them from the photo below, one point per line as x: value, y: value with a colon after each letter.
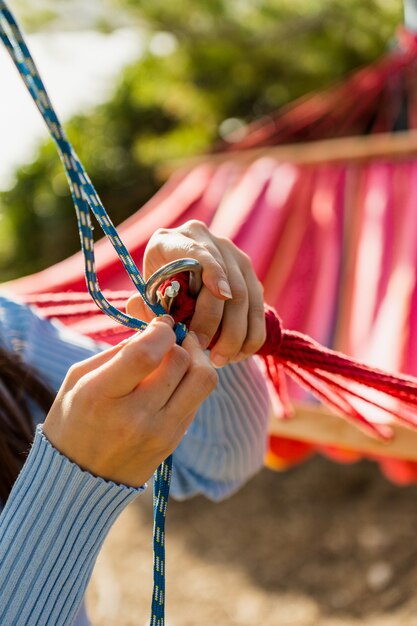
x: 321, y: 545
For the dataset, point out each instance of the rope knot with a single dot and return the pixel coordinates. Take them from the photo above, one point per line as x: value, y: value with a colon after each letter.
x: 346, y: 385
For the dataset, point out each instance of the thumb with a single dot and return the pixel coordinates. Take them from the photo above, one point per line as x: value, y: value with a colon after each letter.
x: 137, y: 358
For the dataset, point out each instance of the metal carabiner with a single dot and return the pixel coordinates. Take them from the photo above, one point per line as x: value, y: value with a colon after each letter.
x: 167, y: 271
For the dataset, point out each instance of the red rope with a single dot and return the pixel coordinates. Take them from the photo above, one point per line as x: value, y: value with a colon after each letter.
x: 347, y: 385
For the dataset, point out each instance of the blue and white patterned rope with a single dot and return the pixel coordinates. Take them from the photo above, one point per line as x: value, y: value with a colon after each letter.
x: 86, y: 199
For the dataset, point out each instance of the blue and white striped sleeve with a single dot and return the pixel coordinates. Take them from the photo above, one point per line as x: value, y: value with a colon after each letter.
x: 226, y: 443
x: 51, y: 531
x: 51, y: 348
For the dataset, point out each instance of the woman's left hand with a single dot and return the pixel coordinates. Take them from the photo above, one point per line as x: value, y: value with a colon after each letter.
x: 231, y: 297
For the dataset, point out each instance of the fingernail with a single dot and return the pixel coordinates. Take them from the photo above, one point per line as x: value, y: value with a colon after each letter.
x: 203, y: 340
x: 219, y: 360
x: 240, y: 357
x: 224, y: 289
x: 167, y: 319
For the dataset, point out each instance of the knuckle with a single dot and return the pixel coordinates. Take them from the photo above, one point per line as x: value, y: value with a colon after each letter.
x: 73, y: 374
x: 194, y: 225
x: 180, y: 358
x: 245, y: 260
x: 154, y: 240
x: 195, y: 248
x: 159, y: 232
x: 151, y: 347
x: 84, y: 393
x: 222, y: 240
x: 147, y: 357
x: 225, y: 243
x: 206, y: 378
x: 257, y: 310
x: 210, y: 379
x: 164, y: 330
x: 240, y: 294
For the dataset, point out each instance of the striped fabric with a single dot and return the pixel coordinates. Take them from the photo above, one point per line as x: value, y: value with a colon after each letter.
x: 51, y: 531
x: 57, y: 516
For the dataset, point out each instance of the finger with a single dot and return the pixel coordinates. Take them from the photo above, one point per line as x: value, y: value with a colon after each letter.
x: 235, y: 317
x: 180, y: 428
x: 136, y: 360
x: 256, y: 333
x: 157, y: 388
x: 197, y: 384
x: 137, y: 308
x: 176, y: 246
x: 207, y: 316
x: 82, y: 368
x: 216, y: 281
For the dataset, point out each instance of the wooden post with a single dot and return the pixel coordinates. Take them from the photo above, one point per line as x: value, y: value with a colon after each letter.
x: 392, y: 146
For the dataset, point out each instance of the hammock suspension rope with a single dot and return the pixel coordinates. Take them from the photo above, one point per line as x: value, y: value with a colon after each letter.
x: 86, y: 199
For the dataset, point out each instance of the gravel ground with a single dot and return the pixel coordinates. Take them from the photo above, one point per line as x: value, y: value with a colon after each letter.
x: 320, y: 545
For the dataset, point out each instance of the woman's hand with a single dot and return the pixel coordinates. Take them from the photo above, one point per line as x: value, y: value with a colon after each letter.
x: 120, y: 413
x: 231, y: 295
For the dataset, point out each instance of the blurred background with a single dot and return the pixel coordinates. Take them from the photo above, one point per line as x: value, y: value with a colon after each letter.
x: 140, y: 84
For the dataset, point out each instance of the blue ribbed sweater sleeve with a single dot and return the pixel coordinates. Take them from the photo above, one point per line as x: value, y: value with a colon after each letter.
x: 226, y: 443
x: 51, y: 530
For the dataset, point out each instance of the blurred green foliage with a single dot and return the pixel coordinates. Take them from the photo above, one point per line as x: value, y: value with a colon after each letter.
x: 206, y: 62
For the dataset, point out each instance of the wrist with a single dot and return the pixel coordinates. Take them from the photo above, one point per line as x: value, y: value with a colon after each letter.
x: 111, y: 467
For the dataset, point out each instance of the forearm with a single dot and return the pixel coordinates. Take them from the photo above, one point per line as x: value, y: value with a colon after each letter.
x: 51, y: 530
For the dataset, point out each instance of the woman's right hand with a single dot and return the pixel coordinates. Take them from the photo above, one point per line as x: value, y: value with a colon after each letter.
x: 120, y: 413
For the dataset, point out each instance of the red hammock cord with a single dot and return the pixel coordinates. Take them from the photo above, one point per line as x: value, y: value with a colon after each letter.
x: 353, y: 389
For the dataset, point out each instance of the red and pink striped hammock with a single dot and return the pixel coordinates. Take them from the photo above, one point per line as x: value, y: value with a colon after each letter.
x: 334, y: 243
